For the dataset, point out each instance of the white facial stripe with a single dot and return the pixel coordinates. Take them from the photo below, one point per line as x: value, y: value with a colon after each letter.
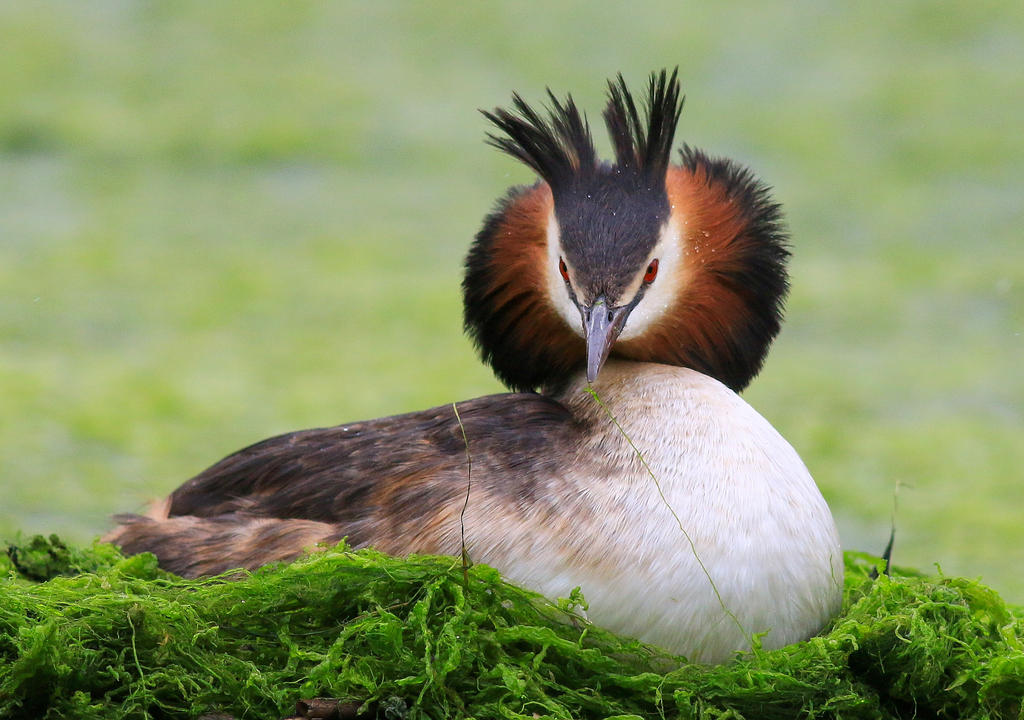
x: 656, y: 300
x: 557, y: 290
x: 663, y: 291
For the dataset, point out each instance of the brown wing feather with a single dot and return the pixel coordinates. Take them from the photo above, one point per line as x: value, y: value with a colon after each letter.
x: 396, y: 483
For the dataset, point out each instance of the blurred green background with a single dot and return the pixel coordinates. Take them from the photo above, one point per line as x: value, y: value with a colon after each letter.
x: 220, y: 222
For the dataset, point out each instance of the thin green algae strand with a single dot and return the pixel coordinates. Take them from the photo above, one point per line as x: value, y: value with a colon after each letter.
x: 87, y: 633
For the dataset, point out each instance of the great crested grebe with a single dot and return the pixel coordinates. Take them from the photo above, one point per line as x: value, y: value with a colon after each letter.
x: 692, y: 524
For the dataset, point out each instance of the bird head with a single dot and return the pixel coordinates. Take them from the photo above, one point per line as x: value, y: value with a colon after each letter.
x: 636, y: 258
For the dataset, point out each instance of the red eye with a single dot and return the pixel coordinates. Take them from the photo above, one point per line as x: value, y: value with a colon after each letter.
x: 652, y: 271
x: 564, y: 269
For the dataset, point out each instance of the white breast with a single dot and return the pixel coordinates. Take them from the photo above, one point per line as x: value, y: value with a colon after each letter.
x: 758, y: 524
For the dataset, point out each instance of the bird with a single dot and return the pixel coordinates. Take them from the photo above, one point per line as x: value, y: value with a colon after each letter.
x: 624, y: 303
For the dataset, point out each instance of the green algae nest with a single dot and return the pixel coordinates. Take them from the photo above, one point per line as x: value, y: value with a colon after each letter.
x: 87, y: 633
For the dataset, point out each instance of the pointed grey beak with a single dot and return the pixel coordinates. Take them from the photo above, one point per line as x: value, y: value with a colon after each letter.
x: 601, y: 327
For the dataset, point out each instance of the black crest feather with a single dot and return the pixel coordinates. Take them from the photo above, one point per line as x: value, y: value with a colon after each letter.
x: 560, y: 148
x: 644, y: 147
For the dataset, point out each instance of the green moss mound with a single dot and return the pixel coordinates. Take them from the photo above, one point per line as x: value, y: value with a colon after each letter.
x: 86, y: 633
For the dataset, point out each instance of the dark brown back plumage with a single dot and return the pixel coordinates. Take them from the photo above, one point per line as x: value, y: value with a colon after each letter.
x: 393, y: 482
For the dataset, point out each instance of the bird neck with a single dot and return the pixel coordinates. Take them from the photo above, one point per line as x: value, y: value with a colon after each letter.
x: 632, y: 389
x: 655, y: 418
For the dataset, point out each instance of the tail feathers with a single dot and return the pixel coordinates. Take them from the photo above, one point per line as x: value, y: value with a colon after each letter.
x: 191, y: 546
